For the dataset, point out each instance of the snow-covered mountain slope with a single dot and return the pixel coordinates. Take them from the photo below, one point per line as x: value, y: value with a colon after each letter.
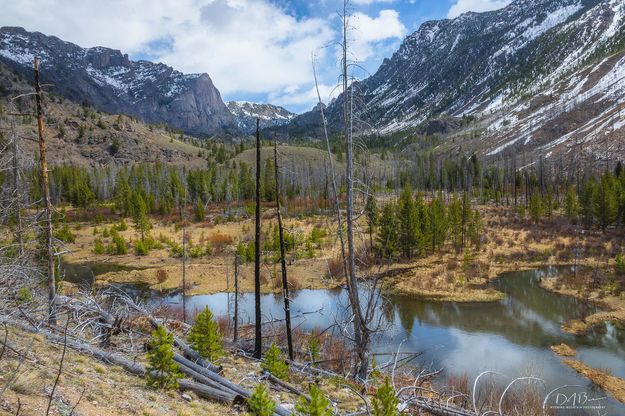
x: 521, y: 70
x: 270, y: 115
x: 108, y: 80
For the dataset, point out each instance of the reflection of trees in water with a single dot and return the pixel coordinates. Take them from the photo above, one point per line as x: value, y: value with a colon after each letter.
x: 529, y: 315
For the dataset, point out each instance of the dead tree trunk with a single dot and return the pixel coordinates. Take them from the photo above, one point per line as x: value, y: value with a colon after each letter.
x: 235, y: 337
x: 285, y: 282
x: 17, y: 188
x: 184, y: 272
x: 258, y: 342
x: 47, y: 203
x: 361, y: 336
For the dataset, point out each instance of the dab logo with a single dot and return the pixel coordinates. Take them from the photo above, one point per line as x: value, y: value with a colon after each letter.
x: 574, y: 400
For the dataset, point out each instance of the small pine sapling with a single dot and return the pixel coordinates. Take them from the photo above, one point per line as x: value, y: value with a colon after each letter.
x: 274, y: 364
x: 319, y: 405
x: 385, y: 403
x: 162, y: 369
x: 260, y: 403
x: 206, y: 337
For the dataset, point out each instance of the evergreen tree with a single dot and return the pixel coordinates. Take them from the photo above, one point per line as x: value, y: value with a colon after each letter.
x: 388, y: 236
x: 571, y: 205
x: 140, y: 215
x: 606, y: 203
x: 423, y: 224
x: 275, y: 364
x: 385, y: 403
x: 587, y: 201
x: 454, y: 220
x: 162, y: 371
x: 408, y: 223
x: 438, y: 222
x: 260, y: 403
x: 199, y: 213
x: 206, y: 337
x: 319, y: 405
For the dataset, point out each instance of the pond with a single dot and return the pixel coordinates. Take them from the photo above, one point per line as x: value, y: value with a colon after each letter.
x: 511, y: 336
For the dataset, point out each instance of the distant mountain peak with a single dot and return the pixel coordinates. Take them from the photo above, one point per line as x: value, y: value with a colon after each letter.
x: 107, y: 79
x: 246, y: 113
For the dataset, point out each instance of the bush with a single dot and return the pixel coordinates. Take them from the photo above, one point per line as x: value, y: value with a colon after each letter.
x: 314, y: 348
x: 274, y: 364
x: 24, y: 295
x: 98, y: 247
x: 162, y: 371
x: 141, y: 249
x: 619, y: 266
x: 122, y: 226
x: 260, y: 402
x: 385, y: 403
x: 118, y: 246
x: 65, y: 235
x: 206, y: 337
x: 319, y: 405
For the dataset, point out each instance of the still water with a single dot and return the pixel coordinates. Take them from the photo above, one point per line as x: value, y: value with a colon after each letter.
x: 511, y: 337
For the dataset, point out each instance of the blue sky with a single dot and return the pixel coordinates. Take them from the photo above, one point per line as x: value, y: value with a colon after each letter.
x: 255, y: 50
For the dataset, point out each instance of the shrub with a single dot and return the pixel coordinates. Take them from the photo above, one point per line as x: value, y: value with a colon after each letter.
x: 314, y: 348
x: 260, y: 402
x: 206, y: 337
x: 619, y: 266
x: 319, y: 405
x: 196, y: 251
x: 65, y: 235
x: 162, y: 370
x: 98, y: 246
x: 384, y: 402
x: 24, y: 295
x: 141, y: 248
x: 122, y: 226
x: 274, y: 364
x: 118, y: 246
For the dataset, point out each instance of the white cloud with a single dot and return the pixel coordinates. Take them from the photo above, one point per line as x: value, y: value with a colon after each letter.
x: 367, y: 32
x: 368, y: 2
x: 247, y: 46
x: 463, y: 6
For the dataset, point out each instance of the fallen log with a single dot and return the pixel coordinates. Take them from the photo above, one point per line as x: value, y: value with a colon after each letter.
x: 286, y: 386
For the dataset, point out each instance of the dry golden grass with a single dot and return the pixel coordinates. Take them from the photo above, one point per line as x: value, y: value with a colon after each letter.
x: 613, y: 385
x: 563, y: 350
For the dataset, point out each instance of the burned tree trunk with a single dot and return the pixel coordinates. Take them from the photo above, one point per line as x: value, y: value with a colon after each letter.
x: 285, y: 283
x: 258, y: 342
x: 47, y: 203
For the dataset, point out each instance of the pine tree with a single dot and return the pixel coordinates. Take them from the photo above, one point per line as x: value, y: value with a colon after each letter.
x: 140, y: 215
x: 319, y: 405
x: 388, y: 236
x: 384, y: 402
x: 438, y: 222
x: 587, y: 202
x: 199, y: 213
x: 162, y: 371
x: 206, y: 337
x: 408, y: 223
x: 606, y: 203
x: 454, y: 220
x: 260, y: 403
x: 571, y: 205
x: 275, y: 364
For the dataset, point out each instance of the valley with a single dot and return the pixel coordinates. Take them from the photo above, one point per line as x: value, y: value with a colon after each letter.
x: 443, y: 234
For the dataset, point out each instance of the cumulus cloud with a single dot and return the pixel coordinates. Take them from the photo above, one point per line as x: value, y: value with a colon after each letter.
x: 367, y: 32
x: 248, y: 47
x: 463, y: 6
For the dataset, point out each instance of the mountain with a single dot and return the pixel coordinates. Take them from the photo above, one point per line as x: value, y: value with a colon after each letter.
x: 246, y: 113
x: 105, y: 78
x: 80, y: 135
x: 537, y: 73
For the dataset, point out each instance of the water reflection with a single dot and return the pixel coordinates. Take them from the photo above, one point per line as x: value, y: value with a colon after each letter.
x: 511, y: 336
